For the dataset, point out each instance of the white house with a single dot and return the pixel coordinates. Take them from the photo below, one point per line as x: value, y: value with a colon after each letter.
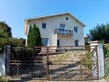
x: 58, y: 30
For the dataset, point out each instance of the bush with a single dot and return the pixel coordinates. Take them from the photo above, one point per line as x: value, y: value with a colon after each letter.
x: 3, y: 42
x: 87, y: 61
x: 106, y: 50
x: 14, y: 42
x: 22, y: 53
x: 107, y: 69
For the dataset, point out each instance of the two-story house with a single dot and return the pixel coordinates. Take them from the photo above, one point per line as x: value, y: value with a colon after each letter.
x: 58, y: 30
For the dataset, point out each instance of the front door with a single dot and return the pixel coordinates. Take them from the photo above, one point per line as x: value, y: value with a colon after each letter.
x: 58, y: 42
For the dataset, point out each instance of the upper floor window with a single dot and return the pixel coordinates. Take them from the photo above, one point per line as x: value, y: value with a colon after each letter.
x: 62, y: 28
x: 44, y: 25
x: 76, y: 29
x: 67, y: 18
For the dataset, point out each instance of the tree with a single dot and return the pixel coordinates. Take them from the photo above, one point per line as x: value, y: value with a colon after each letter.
x: 29, y: 40
x: 3, y: 34
x: 34, y: 37
x: 100, y: 32
x: 5, y: 28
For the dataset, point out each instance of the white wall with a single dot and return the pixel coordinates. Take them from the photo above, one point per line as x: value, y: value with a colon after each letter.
x: 53, y: 23
x: 2, y: 64
x: 66, y: 41
x: 100, y: 57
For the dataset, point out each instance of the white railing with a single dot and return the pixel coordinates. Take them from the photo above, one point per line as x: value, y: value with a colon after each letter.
x: 63, y: 31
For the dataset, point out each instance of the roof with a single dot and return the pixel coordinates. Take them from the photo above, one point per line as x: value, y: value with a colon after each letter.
x: 36, y: 18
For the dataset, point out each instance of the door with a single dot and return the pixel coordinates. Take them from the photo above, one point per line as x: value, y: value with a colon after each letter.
x: 58, y: 42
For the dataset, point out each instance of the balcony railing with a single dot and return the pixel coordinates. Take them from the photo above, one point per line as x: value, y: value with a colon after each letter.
x: 63, y: 31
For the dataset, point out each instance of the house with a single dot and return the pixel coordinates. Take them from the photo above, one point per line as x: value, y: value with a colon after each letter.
x: 58, y: 30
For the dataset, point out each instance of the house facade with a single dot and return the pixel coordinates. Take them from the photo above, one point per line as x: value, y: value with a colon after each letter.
x: 58, y: 30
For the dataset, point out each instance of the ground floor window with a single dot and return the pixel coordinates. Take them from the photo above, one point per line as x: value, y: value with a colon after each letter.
x: 45, y: 41
x: 76, y: 42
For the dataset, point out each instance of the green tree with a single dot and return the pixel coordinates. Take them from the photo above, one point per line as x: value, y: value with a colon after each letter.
x: 6, y: 28
x: 100, y: 32
x: 34, y: 37
x: 38, y: 38
x: 3, y: 34
x: 29, y: 40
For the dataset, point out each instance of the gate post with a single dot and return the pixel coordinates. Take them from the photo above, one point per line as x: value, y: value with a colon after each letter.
x: 47, y: 50
x: 7, y: 58
x: 100, y: 59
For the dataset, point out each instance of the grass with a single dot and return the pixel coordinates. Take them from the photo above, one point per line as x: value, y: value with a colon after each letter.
x: 72, y: 56
x: 87, y: 61
x: 59, y: 57
x: 5, y: 79
x: 107, y: 69
x: 107, y: 78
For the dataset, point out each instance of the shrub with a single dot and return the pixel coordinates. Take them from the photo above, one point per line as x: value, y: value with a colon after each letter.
x: 107, y: 69
x: 3, y: 42
x: 22, y: 53
x: 14, y: 42
x: 87, y: 60
x: 106, y: 50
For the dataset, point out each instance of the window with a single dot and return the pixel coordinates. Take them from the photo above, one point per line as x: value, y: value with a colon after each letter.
x: 76, y: 42
x: 44, y: 25
x: 76, y: 29
x: 62, y: 28
x: 67, y: 18
x: 45, y: 41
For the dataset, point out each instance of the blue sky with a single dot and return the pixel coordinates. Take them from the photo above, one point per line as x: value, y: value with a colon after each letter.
x: 90, y: 12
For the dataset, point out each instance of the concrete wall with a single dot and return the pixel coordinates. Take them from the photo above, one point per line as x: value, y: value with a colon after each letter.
x: 100, y: 57
x: 53, y: 23
x: 2, y: 64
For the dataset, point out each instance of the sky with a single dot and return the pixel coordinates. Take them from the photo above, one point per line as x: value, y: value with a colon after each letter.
x: 90, y: 12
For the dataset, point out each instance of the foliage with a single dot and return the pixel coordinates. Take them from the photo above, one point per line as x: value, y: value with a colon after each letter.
x: 22, y: 53
x: 3, y: 34
x: 6, y: 29
x: 106, y: 50
x: 34, y: 37
x: 86, y: 39
x: 5, y: 79
x: 29, y: 41
x: 100, y: 32
x: 107, y: 69
x: 87, y: 60
x: 10, y: 41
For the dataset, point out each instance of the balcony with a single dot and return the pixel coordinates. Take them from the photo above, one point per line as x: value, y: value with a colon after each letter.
x: 63, y: 31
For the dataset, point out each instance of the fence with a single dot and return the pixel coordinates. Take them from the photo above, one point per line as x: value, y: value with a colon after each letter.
x: 52, y: 63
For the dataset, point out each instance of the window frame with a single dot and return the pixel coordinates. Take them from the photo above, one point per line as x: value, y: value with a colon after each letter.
x: 44, y: 25
x: 76, y: 29
x: 67, y: 18
x: 63, y: 28
x: 77, y: 43
x: 47, y: 41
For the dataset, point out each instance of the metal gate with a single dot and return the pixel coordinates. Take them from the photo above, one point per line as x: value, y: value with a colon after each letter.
x: 52, y: 63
